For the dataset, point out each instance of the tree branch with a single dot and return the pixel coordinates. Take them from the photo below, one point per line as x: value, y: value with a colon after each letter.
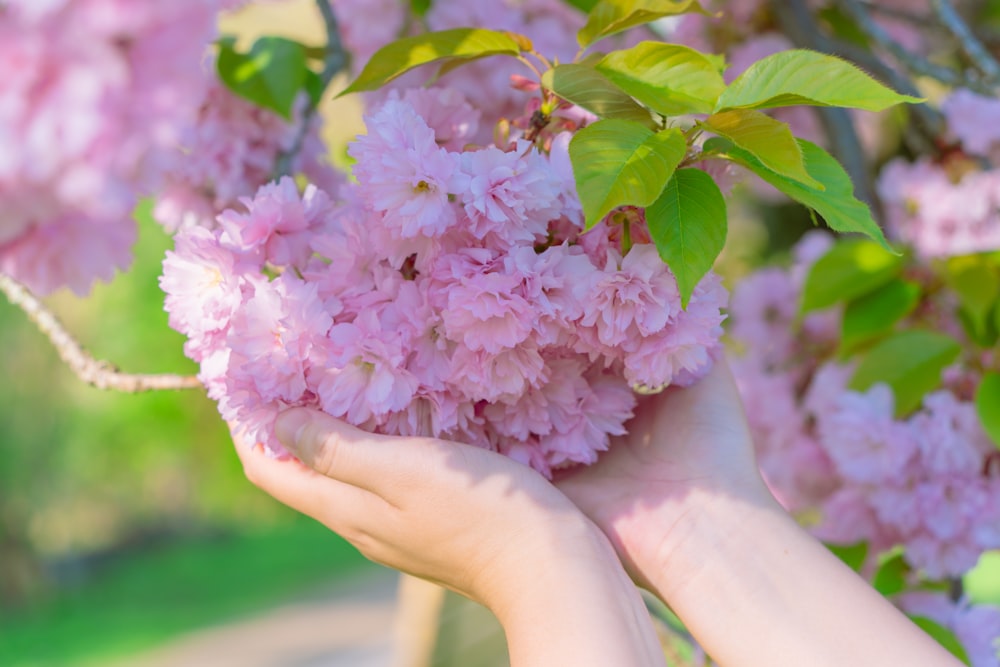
x: 100, y: 374
x: 799, y: 24
x: 334, y: 60
x: 911, y: 61
x: 967, y: 41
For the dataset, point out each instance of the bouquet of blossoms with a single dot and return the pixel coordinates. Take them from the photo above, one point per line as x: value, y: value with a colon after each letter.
x: 445, y: 293
x: 511, y: 295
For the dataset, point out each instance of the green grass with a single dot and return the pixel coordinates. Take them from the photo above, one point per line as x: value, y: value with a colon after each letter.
x: 155, y: 596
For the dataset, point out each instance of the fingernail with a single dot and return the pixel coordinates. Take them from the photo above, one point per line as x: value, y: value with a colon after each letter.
x: 290, y: 427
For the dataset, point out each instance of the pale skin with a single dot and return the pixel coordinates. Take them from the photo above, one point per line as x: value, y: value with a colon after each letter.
x: 680, y: 501
x: 475, y: 522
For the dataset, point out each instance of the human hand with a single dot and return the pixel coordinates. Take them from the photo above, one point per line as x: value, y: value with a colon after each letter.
x: 685, y: 507
x: 686, y: 450
x: 473, y: 521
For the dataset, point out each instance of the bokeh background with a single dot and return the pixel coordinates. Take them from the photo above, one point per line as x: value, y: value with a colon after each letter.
x: 125, y: 521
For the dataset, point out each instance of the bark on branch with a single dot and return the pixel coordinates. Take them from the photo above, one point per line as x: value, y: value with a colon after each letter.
x: 100, y: 374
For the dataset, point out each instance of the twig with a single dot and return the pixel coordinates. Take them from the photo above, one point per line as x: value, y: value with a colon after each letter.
x: 910, y: 60
x: 799, y: 24
x: 968, y: 42
x: 894, y: 13
x: 100, y: 374
x: 334, y: 60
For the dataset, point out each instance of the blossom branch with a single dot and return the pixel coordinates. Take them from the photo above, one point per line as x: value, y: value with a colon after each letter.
x: 334, y: 60
x: 967, y: 41
x: 910, y: 60
x: 801, y: 27
x: 100, y: 374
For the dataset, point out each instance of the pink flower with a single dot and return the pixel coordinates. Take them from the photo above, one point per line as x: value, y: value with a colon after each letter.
x: 403, y: 173
x: 972, y: 118
x: 863, y: 440
x: 626, y: 304
x: 277, y: 224
x: 204, y: 286
x: 511, y: 195
x: 366, y: 375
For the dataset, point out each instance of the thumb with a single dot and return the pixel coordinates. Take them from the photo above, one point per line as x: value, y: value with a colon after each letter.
x: 334, y: 448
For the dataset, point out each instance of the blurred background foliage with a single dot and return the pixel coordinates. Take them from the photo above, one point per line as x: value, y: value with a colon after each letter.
x: 126, y: 519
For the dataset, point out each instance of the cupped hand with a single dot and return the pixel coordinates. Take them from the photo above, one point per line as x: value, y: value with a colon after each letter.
x: 473, y: 521
x: 685, y: 450
x: 466, y: 518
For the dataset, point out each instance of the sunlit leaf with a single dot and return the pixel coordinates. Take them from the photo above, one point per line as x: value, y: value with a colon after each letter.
x: 767, y: 139
x: 270, y: 74
x: 850, y: 269
x: 399, y: 57
x: 620, y: 162
x: 841, y: 210
x: 608, y: 17
x: 800, y: 76
x: 910, y: 362
x: 988, y: 405
x: 668, y: 78
x: 942, y: 636
x: 587, y: 88
x: 688, y: 225
x: 875, y: 314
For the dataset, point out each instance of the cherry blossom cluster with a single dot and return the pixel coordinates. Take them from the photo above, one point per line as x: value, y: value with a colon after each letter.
x: 950, y: 205
x: 93, y: 96
x: 929, y: 482
x: 445, y: 293
x: 227, y: 152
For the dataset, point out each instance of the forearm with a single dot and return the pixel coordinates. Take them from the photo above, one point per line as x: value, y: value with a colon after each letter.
x: 581, y: 610
x: 756, y: 589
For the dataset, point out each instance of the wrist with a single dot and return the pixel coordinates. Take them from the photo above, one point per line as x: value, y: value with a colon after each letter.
x: 699, y: 529
x: 576, y: 605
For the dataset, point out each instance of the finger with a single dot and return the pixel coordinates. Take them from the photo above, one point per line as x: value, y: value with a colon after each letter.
x: 343, y: 452
x: 336, y: 504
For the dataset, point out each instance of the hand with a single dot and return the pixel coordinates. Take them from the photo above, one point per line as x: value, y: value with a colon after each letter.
x: 473, y: 521
x: 685, y: 450
x: 682, y: 501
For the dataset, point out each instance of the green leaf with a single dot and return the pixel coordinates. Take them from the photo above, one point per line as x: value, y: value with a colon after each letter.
x: 399, y: 57
x: 620, y: 162
x: 942, y: 636
x: 767, y: 139
x: 988, y: 405
x: 314, y: 87
x: 875, y: 314
x: 837, y: 204
x: 668, y: 78
x: 800, y: 76
x: 270, y: 75
x: 890, y: 578
x: 583, y: 5
x: 910, y: 362
x: 975, y: 280
x: 688, y: 225
x: 420, y: 7
x: 608, y: 17
x: 586, y: 87
x: 852, y: 555
x: 850, y: 269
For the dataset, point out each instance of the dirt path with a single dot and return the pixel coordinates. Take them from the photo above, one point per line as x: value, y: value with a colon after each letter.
x: 348, y: 624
